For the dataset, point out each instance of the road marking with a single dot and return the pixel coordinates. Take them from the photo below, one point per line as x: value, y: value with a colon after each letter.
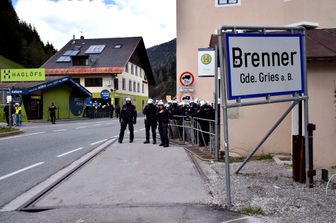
x: 81, y: 127
x: 59, y: 130
x: 19, y: 136
x: 97, y: 125
x: 237, y: 219
x: 21, y: 170
x: 94, y: 143
x: 72, y: 151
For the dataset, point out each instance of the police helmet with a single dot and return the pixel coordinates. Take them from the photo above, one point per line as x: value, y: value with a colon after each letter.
x: 160, y: 103
x: 202, y: 102
x: 150, y: 101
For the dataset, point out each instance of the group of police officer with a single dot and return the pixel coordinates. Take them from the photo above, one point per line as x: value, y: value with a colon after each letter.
x: 158, y: 113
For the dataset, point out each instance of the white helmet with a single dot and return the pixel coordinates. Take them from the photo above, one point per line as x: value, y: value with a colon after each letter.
x: 150, y: 101
x: 174, y: 102
x: 160, y: 102
x: 127, y: 99
x: 202, y: 102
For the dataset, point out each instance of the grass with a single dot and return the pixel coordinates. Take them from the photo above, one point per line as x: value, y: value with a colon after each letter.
x: 6, y: 129
x: 289, y: 166
x: 257, y: 157
x: 252, y: 210
x: 6, y: 63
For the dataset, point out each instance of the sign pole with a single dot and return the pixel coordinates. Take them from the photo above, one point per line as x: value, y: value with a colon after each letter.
x: 10, y: 110
x: 217, y: 136
x: 225, y: 119
x: 306, y: 113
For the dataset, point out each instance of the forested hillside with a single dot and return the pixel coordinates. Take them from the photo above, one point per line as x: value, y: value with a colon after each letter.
x: 163, y: 61
x: 20, y: 41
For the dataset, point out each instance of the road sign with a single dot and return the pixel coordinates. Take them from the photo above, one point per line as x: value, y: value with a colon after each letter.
x: 186, y: 97
x: 187, y: 79
x: 17, y: 75
x: 105, y: 94
x: 206, y: 62
x: 261, y: 64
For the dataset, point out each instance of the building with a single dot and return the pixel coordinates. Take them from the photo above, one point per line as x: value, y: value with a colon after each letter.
x: 197, y: 20
x: 36, y: 97
x: 111, y: 68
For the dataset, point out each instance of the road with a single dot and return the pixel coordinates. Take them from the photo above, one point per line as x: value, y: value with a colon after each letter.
x: 43, y: 149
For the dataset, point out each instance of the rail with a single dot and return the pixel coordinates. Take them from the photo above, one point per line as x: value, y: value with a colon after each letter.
x: 194, y: 130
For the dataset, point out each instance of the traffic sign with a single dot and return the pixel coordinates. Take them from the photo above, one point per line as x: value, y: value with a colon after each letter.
x: 105, y: 94
x: 260, y: 65
x: 187, y: 79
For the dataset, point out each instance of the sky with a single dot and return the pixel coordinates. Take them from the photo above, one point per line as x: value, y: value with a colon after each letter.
x: 58, y: 20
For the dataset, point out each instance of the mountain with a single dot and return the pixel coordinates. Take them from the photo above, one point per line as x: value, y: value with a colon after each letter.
x: 20, y: 41
x: 163, y: 62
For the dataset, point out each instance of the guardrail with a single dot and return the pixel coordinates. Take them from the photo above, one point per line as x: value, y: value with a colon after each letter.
x: 193, y: 130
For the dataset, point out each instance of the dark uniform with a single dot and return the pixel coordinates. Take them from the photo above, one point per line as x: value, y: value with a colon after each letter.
x: 151, y: 121
x: 163, y: 118
x: 128, y: 116
x: 52, y: 112
x: 205, y: 112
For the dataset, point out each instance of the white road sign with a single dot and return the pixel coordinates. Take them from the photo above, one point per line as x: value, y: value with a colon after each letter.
x: 259, y: 65
x: 206, y: 62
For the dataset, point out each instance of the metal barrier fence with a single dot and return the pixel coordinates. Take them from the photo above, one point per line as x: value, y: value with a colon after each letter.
x: 196, y: 131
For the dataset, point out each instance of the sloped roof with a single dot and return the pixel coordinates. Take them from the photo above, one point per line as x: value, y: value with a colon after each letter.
x: 112, y: 60
x: 320, y: 43
x: 23, y: 88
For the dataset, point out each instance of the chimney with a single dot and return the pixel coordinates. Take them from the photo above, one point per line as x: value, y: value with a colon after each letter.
x: 73, y: 39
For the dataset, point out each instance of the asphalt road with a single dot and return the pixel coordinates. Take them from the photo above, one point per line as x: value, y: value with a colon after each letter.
x: 43, y: 149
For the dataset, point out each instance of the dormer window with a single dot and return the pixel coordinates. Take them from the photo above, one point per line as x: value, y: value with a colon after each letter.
x: 80, y: 60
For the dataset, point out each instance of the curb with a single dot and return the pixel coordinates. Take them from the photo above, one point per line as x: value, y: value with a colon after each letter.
x: 12, y: 133
x: 26, y: 201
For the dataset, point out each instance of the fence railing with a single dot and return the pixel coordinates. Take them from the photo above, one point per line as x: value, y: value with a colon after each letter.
x: 193, y: 130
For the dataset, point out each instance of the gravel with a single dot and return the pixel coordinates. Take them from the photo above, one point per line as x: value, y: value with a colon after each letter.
x: 267, y: 188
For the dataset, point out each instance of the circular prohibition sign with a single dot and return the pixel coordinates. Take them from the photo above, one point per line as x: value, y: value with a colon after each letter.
x: 187, y: 79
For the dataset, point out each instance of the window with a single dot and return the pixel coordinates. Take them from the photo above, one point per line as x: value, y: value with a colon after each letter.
x: 124, y: 84
x: 63, y: 59
x: 80, y: 61
x: 77, y: 80
x: 95, y: 49
x: 118, y: 46
x: 93, y: 82
x: 140, y: 72
x: 130, y: 85
x: 138, y: 87
x: 143, y: 88
x: 227, y: 2
x: 116, y: 84
x: 126, y: 68
x: 132, y: 69
x: 136, y: 70
x: 134, y: 87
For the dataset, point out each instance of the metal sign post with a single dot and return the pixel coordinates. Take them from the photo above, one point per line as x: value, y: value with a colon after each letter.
x: 258, y: 62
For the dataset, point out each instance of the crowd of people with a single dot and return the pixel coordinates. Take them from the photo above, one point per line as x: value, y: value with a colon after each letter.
x: 13, y: 114
x: 160, y: 114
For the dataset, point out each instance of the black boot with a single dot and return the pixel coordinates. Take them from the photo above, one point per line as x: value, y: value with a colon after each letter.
x: 161, y: 144
x: 146, y: 142
x: 154, y: 141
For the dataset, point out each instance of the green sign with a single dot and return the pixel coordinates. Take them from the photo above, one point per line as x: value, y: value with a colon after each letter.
x: 16, y: 75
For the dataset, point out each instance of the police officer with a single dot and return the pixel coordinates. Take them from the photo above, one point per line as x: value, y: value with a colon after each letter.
x: 151, y: 120
x: 128, y: 116
x: 205, y: 112
x: 163, y: 117
x: 52, y: 112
